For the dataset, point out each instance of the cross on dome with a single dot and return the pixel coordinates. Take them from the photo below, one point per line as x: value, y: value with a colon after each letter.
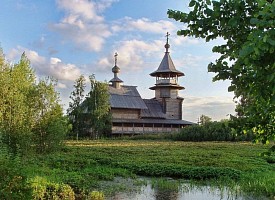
x: 167, y: 46
x: 115, y: 58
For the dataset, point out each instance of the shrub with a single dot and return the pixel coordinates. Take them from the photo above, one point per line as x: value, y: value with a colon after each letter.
x: 43, y: 189
x: 50, y: 133
x: 13, y: 181
x: 211, y: 131
x: 96, y: 195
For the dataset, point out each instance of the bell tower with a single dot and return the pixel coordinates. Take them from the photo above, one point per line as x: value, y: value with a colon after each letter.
x: 167, y: 87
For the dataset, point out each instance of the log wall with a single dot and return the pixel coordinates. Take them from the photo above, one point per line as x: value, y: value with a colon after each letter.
x: 125, y: 113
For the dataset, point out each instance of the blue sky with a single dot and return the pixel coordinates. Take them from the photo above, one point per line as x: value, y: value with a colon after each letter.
x: 66, y: 38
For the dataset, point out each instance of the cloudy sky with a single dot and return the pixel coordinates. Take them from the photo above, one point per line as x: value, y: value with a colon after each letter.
x: 66, y: 38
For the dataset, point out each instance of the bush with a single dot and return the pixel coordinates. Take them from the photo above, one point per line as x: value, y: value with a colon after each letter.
x: 43, y: 189
x: 49, y: 134
x: 13, y: 181
x: 211, y: 131
x: 96, y: 195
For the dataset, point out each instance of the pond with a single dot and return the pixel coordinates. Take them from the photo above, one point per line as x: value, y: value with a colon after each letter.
x: 167, y: 189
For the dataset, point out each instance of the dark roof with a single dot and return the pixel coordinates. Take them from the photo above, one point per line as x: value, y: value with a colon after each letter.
x: 116, y: 79
x: 167, y: 67
x: 167, y: 86
x: 126, y: 97
x: 154, y: 109
x: 154, y: 121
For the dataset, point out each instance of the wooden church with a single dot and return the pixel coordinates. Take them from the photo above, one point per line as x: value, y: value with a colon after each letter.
x: 162, y: 114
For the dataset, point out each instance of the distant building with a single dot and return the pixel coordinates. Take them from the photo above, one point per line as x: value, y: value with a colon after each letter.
x: 133, y: 115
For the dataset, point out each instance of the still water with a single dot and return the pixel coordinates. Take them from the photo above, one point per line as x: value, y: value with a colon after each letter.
x: 149, y: 189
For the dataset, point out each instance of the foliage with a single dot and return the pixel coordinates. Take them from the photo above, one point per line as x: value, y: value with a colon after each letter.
x: 30, y: 113
x: 204, y: 160
x: 269, y: 155
x: 98, y: 108
x: 51, y: 133
x: 81, y: 165
x: 193, y: 173
x: 16, y: 112
x: 75, y: 110
x: 43, y: 189
x: 96, y: 195
x: 253, y: 184
x: 51, y: 127
x: 246, y: 58
x: 211, y: 131
x: 13, y: 180
x: 204, y: 119
x: 164, y: 184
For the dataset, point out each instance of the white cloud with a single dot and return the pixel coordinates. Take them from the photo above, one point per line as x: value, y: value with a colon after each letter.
x: 182, y: 40
x: 189, y: 60
x: 47, y: 67
x: 81, y: 9
x: 85, y: 27
x: 216, y: 107
x: 103, y: 4
x: 131, y: 55
x: 144, y: 25
x: 61, y: 85
x: 82, y: 24
x: 63, y: 71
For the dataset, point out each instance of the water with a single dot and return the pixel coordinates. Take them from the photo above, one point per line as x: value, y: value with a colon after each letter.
x: 149, y: 189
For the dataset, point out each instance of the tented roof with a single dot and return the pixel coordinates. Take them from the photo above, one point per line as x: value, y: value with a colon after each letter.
x: 167, y: 67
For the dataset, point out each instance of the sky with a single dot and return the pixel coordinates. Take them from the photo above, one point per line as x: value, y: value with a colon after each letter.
x: 66, y: 38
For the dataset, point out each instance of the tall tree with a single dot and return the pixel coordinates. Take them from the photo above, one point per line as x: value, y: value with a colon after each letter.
x: 98, y: 108
x: 75, y: 110
x: 246, y: 57
x: 28, y: 108
x: 204, y: 119
x: 17, y: 115
x: 51, y: 127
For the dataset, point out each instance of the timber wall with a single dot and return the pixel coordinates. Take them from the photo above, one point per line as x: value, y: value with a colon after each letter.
x: 125, y: 113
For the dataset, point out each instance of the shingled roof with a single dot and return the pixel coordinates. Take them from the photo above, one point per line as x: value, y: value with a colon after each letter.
x: 126, y: 97
x: 154, y: 109
x: 167, y: 67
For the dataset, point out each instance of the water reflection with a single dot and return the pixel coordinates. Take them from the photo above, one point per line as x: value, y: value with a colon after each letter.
x: 165, y: 194
x: 169, y: 190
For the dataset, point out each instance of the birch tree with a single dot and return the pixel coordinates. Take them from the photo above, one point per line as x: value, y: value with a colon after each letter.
x: 75, y: 110
x: 98, y: 108
x: 28, y: 109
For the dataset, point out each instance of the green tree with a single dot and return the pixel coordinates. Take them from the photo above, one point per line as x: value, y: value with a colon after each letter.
x: 28, y: 110
x: 98, y: 108
x: 16, y: 114
x: 204, y: 119
x: 246, y: 57
x: 75, y: 110
x: 51, y: 127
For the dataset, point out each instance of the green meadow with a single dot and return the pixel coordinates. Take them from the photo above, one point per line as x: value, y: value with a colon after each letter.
x: 83, y: 165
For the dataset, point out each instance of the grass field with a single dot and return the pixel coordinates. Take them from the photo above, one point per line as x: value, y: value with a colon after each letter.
x: 83, y: 164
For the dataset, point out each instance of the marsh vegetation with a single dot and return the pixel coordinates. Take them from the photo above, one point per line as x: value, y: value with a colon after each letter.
x: 80, y: 167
